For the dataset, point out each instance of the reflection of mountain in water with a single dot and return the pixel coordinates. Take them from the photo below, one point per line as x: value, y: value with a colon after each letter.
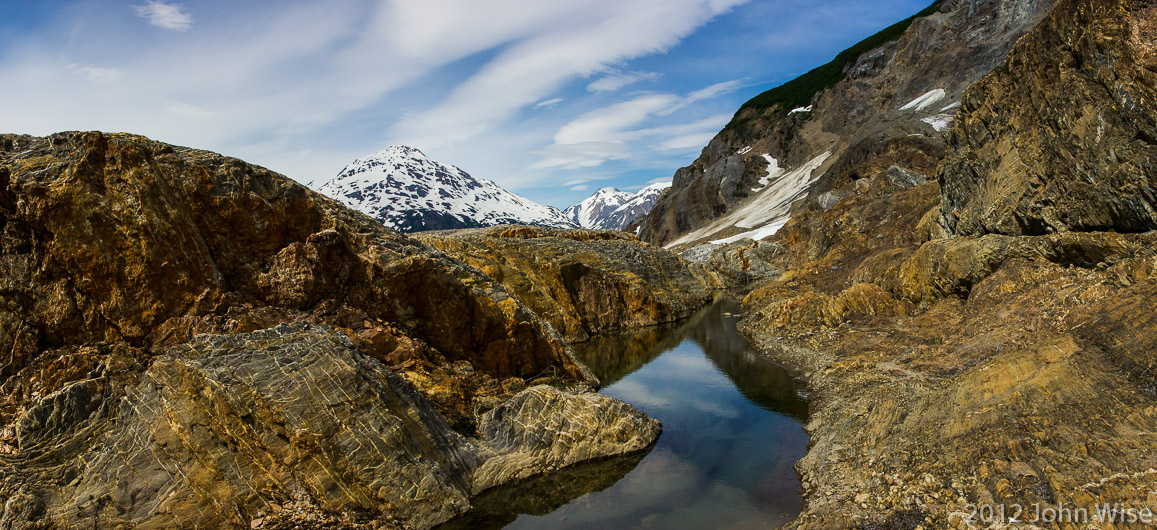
x: 613, y: 356
x: 543, y: 494
x: 763, y: 382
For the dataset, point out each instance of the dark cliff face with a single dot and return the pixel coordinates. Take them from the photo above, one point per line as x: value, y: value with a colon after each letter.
x: 115, y: 251
x: 947, y: 47
x: 1064, y: 137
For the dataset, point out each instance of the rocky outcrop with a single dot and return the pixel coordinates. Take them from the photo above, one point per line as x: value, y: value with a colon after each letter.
x: 1064, y: 136
x: 732, y: 266
x: 222, y: 429
x: 583, y: 282
x: 1002, y: 364
x: 361, y: 405
x: 904, y: 82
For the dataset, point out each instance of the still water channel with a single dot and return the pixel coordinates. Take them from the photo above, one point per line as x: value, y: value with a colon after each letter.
x: 732, y: 430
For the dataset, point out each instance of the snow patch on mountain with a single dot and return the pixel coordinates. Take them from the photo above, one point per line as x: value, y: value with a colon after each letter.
x: 767, y: 212
x: 405, y: 190
x: 773, y: 172
x: 940, y: 122
x: 927, y: 100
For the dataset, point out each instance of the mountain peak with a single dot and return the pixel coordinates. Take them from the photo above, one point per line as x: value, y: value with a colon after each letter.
x: 612, y: 209
x: 406, y: 190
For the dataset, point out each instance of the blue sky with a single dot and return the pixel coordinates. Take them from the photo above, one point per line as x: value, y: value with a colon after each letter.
x: 549, y: 98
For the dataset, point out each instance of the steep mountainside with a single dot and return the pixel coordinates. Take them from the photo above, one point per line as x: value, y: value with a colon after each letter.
x: 982, y: 337
x: 407, y: 191
x: 187, y: 340
x: 891, y: 92
x: 611, y: 209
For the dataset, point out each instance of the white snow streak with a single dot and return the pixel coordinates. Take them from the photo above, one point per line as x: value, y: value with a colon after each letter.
x: 925, y: 101
x: 768, y: 211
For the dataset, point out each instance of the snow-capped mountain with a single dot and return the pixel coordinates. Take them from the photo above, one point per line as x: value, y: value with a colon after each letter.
x: 407, y: 191
x: 592, y: 210
x: 611, y: 209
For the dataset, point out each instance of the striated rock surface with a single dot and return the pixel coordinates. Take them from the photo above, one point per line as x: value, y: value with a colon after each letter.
x: 117, y: 251
x: 225, y: 428
x: 1064, y: 137
x: 543, y: 429
x: 996, y: 365
x: 583, y: 282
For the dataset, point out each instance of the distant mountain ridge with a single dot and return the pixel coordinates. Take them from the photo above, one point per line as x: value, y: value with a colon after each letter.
x: 406, y: 190
x: 612, y: 209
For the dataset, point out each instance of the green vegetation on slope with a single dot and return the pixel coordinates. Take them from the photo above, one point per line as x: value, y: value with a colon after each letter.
x: 799, y: 91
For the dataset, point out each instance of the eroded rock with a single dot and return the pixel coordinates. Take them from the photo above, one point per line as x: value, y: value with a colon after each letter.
x: 583, y: 282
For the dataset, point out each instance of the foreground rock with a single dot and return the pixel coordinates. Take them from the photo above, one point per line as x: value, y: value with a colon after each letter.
x: 732, y: 266
x: 116, y: 251
x: 224, y: 428
x: 583, y: 282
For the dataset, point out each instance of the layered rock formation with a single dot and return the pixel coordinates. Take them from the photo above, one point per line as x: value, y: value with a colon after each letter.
x: 583, y: 282
x: 117, y: 251
x: 1063, y: 137
x: 981, y: 338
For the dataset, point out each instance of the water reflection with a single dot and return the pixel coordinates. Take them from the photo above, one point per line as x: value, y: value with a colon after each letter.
x: 732, y: 433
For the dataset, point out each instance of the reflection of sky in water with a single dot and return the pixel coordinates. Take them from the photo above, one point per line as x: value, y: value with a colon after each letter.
x: 723, y: 461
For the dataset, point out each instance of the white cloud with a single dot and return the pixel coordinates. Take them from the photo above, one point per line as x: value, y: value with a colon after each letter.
x: 610, y: 123
x: 548, y: 103
x: 559, y: 43
x: 580, y: 188
x: 580, y: 155
x: 604, y: 134
x: 703, y: 94
x: 168, y: 16
x: 613, y: 82
x: 96, y: 73
x: 687, y: 141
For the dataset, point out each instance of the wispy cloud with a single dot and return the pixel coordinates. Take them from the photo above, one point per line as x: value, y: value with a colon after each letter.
x: 583, y: 187
x: 95, y: 73
x: 548, y: 103
x: 579, y: 43
x: 604, y: 134
x: 616, y: 81
x: 168, y: 16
